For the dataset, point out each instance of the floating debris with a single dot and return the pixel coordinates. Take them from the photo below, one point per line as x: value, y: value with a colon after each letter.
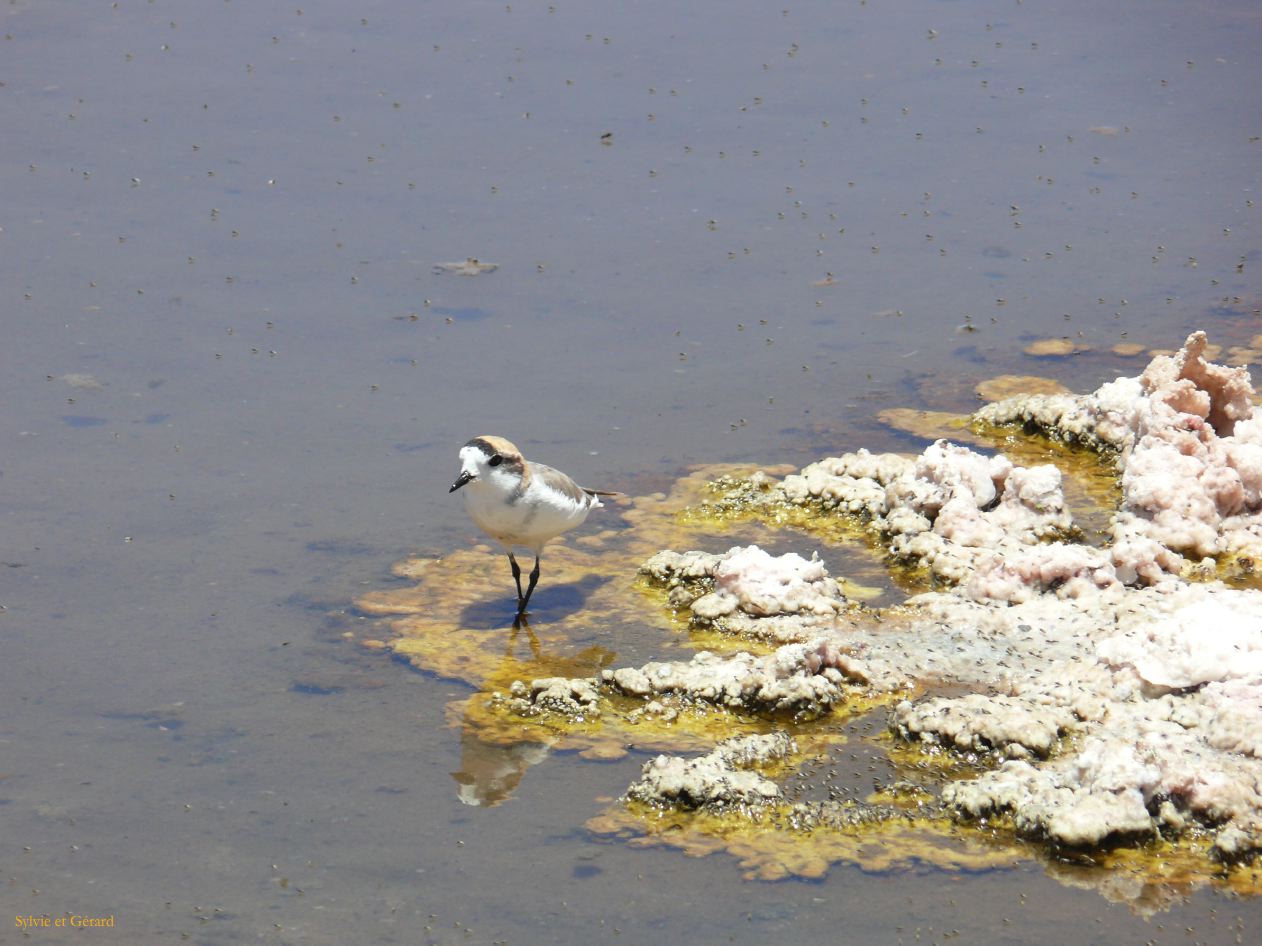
x: 469, y: 267
x: 84, y: 382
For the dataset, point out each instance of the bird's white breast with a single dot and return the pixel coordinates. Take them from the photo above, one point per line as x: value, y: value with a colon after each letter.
x: 528, y: 517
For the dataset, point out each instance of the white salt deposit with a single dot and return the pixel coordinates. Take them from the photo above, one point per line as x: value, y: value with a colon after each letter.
x: 1218, y: 639
x: 1191, y: 457
x: 762, y: 585
x: 1159, y: 679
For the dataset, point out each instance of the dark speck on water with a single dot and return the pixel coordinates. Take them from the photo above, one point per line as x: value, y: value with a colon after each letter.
x: 461, y: 315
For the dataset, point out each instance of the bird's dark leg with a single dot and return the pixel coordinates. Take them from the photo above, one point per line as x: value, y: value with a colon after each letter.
x: 521, y: 602
x: 534, y: 580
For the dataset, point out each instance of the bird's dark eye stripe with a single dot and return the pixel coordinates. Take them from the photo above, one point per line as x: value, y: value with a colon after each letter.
x: 496, y: 460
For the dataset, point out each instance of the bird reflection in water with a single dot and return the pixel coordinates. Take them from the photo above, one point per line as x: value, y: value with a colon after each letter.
x: 494, y: 759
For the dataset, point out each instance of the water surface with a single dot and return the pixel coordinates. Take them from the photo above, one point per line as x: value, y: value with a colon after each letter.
x: 227, y: 216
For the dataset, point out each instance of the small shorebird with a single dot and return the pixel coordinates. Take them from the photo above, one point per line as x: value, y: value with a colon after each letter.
x: 517, y: 502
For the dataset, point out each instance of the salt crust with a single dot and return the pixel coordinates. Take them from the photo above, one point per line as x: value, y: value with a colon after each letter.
x: 951, y: 509
x: 722, y: 778
x: 1021, y: 728
x: 574, y: 698
x: 749, y: 583
x: 1159, y: 679
x: 1190, y: 447
x: 796, y: 678
x: 1152, y: 756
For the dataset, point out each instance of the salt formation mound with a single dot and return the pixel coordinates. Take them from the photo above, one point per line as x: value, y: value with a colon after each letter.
x: 950, y: 509
x: 1158, y: 678
x: 722, y: 778
x: 1190, y: 443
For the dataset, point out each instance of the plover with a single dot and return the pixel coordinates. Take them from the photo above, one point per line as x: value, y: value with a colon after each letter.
x: 520, y: 503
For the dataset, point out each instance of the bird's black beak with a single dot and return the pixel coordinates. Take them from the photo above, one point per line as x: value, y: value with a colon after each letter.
x: 463, y: 478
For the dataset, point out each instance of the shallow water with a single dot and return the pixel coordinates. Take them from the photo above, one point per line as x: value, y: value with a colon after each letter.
x: 227, y: 216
